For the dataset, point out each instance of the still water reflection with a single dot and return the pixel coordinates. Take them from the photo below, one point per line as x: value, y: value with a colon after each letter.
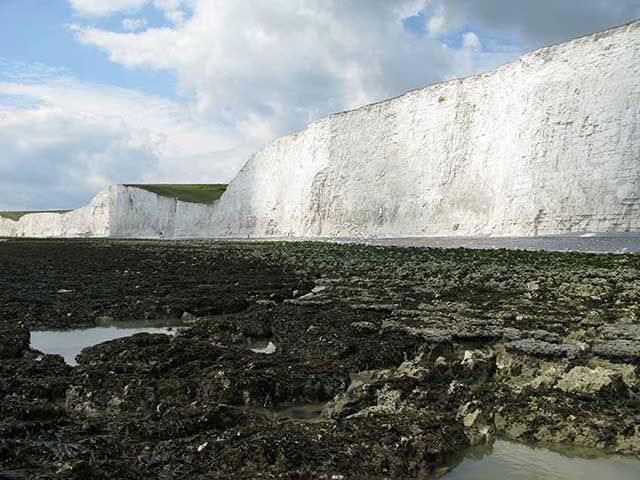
x: 515, y: 461
x: 69, y: 343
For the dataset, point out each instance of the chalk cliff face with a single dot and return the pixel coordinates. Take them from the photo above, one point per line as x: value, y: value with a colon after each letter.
x: 119, y: 211
x: 135, y: 212
x: 549, y: 144
x: 89, y: 221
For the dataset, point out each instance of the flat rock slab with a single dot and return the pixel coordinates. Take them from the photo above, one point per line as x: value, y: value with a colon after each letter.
x: 540, y: 348
x: 626, y: 350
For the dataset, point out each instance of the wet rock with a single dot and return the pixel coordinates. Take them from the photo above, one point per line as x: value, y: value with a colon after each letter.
x: 510, y: 334
x: 547, y: 379
x: 388, y: 401
x: 543, y: 335
x: 540, y: 348
x: 626, y: 350
x: 188, y: 317
x: 7, y: 474
x: 516, y: 430
x: 13, y: 341
x: 364, y: 327
x: 499, y: 420
x: 621, y: 331
x: 593, y: 319
x: 415, y: 368
x: 476, y: 333
x: 266, y: 303
x: 429, y: 335
x: 81, y: 470
x: 350, y: 402
x: 630, y: 373
x: 479, y: 363
x: 478, y: 427
x: 425, y: 328
x: 629, y: 443
x: 592, y: 382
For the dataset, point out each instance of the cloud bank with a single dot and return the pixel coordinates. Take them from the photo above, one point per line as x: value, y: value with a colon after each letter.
x: 271, y: 67
x: 62, y: 141
x: 247, y: 72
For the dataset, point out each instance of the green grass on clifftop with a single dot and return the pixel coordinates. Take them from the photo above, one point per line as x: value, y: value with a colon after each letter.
x: 195, y: 193
x: 15, y: 216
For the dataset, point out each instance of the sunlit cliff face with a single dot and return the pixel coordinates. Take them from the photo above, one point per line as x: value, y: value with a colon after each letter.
x: 542, y: 146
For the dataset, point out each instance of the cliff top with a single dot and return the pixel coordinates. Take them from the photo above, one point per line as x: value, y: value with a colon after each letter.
x: 532, y: 53
x: 15, y: 216
x: 194, y: 193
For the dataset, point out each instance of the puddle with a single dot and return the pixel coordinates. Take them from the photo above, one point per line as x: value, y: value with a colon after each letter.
x: 262, y: 346
x: 514, y: 461
x: 361, y: 378
x: 309, y: 412
x: 69, y: 343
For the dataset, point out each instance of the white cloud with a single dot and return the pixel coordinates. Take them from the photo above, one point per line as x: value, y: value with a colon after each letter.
x: 175, y: 16
x: 435, y: 25
x: 174, y: 10
x: 133, y: 24
x: 168, y: 5
x: 82, y: 137
x: 470, y: 40
x: 98, y: 8
x: 271, y: 66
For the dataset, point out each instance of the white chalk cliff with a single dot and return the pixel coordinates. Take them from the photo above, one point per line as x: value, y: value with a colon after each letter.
x: 548, y: 144
x: 119, y: 211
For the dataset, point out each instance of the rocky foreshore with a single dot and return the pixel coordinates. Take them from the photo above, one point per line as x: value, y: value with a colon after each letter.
x: 409, y: 356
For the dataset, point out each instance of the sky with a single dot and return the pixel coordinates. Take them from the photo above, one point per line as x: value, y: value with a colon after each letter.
x: 95, y: 92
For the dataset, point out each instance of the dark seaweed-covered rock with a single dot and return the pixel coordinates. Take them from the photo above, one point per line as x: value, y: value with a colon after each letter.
x: 624, y: 350
x: 13, y: 340
x: 387, y: 360
x: 540, y: 348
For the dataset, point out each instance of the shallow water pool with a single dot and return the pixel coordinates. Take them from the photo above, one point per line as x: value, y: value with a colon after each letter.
x: 69, y: 343
x: 265, y: 346
x: 514, y: 461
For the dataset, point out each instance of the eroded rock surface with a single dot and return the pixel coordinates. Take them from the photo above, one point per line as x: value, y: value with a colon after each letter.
x: 407, y: 355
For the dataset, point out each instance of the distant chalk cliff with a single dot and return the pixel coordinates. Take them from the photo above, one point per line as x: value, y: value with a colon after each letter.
x: 120, y: 211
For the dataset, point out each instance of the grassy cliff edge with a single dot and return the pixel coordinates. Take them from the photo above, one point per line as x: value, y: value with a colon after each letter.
x: 15, y: 216
x: 194, y: 193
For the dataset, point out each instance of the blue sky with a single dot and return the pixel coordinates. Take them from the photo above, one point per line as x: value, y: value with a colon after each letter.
x: 32, y: 35
x: 94, y: 92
